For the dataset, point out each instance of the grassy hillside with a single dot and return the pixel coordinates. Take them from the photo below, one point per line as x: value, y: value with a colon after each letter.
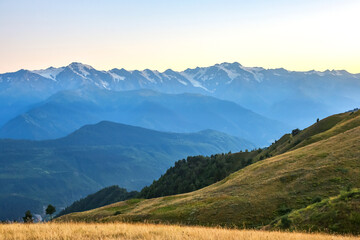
x: 340, y: 214
x: 322, y: 129
x: 198, y: 171
x: 261, y: 192
x: 61, y: 171
x: 101, y: 198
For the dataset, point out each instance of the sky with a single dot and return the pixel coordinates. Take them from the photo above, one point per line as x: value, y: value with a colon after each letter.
x: 298, y: 35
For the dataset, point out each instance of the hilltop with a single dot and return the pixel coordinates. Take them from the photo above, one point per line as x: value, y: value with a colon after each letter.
x: 254, y: 196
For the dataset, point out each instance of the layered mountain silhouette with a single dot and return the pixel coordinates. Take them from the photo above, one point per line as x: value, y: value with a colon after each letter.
x: 288, y: 96
x: 67, y: 111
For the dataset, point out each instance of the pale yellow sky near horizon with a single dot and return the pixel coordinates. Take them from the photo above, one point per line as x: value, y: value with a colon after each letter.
x: 299, y: 36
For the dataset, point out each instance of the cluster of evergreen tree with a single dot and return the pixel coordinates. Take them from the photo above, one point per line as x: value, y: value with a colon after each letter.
x: 186, y: 175
x: 197, y: 172
x: 101, y: 198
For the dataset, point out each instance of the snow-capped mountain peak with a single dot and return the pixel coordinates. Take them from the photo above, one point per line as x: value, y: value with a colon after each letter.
x: 191, y: 78
x: 115, y: 76
x: 80, y: 69
x: 208, y: 80
x: 230, y: 69
x: 148, y: 75
x: 50, y: 72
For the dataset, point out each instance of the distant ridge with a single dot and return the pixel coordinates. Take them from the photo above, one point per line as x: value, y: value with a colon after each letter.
x: 289, y: 96
x: 66, y: 111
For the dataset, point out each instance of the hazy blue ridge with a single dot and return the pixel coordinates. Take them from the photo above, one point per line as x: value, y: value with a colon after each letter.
x: 58, y: 172
x: 66, y: 111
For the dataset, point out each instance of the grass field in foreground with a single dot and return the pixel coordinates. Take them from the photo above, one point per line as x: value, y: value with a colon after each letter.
x: 80, y: 231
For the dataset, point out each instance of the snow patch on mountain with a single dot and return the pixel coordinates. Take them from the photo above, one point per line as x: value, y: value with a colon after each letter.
x: 174, y: 77
x: 231, y: 74
x: 80, y: 69
x: 50, y: 72
x: 255, y: 71
x: 191, y: 79
x: 103, y: 84
x: 315, y: 72
x: 147, y: 76
x: 337, y: 73
x: 158, y: 74
x: 116, y: 77
x: 201, y: 74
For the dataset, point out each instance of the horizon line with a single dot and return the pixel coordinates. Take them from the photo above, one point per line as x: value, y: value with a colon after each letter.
x: 162, y: 71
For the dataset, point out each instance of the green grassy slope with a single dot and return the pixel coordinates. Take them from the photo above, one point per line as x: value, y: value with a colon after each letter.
x: 198, y: 171
x: 259, y: 193
x: 340, y: 214
x: 323, y: 129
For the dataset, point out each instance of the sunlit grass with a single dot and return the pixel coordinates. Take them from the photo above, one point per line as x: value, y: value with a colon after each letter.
x: 79, y: 231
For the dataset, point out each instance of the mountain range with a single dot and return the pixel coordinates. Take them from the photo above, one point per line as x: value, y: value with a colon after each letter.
x: 66, y: 111
x: 296, y: 98
x: 141, y: 122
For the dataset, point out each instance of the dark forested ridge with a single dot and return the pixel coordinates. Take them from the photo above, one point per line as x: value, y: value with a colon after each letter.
x: 197, y: 172
x: 101, y: 198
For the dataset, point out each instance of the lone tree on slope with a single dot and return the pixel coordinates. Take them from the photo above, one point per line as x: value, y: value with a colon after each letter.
x: 28, y: 217
x: 50, y: 210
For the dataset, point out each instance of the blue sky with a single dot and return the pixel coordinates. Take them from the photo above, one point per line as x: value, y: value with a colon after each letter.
x: 298, y: 35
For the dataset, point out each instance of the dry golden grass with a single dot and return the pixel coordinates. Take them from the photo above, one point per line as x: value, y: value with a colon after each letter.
x: 80, y: 231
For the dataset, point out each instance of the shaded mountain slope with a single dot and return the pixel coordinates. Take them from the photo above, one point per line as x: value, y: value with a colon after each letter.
x: 64, y: 170
x: 67, y: 111
x: 255, y: 195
